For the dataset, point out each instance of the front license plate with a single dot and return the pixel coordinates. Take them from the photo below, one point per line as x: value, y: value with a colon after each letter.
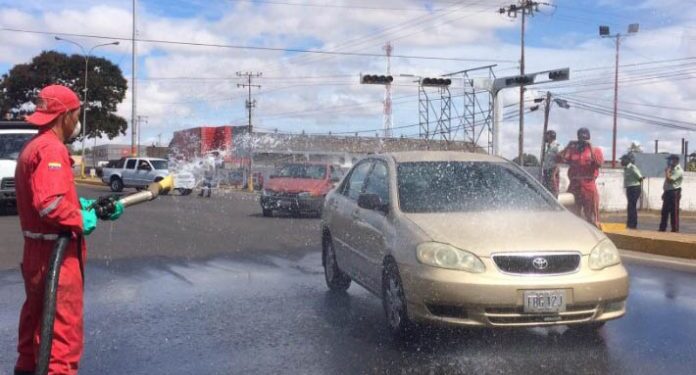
x: 284, y: 204
x: 544, y: 301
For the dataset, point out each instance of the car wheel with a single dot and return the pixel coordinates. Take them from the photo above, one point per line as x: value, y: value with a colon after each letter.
x: 267, y: 212
x: 116, y: 185
x: 394, y: 301
x: 336, y: 279
x: 186, y: 191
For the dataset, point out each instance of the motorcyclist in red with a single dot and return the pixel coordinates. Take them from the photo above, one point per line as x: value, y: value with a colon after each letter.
x: 48, y: 205
x: 584, y: 162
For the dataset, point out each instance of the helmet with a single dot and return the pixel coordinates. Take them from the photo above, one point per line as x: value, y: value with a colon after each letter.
x: 584, y: 134
x: 673, y: 157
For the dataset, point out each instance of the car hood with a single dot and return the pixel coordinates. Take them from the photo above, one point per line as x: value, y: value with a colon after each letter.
x: 486, y: 233
x: 292, y: 185
x: 7, y: 168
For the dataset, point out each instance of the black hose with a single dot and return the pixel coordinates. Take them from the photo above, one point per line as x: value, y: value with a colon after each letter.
x: 49, y: 303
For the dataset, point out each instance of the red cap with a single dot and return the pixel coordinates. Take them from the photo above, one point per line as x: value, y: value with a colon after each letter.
x: 53, y: 101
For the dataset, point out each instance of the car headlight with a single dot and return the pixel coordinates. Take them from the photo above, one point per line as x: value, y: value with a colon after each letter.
x: 266, y: 193
x: 305, y: 194
x: 605, y: 254
x: 445, y: 256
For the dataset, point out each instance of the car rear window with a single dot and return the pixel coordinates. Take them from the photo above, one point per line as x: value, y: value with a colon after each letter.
x: 468, y: 186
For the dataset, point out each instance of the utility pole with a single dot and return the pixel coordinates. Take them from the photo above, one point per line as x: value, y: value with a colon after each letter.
x: 547, y: 111
x: 604, y: 33
x: 657, y: 143
x: 388, y: 121
x: 140, y: 120
x: 134, y: 85
x: 250, y: 104
x: 525, y: 7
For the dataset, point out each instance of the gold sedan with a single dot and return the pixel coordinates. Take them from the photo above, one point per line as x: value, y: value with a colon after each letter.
x: 467, y: 239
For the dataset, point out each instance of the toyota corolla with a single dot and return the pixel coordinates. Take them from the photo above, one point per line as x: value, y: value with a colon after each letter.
x: 467, y: 239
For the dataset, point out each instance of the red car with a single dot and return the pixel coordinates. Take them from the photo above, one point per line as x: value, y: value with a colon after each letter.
x: 299, y: 188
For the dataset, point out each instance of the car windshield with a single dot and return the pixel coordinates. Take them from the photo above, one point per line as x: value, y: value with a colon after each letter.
x: 159, y: 164
x: 316, y: 172
x: 11, y: 145
x: 444, y: 186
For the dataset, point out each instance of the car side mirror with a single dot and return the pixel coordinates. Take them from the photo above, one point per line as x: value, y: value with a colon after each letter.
x: 567, y: 200
x: 370, y: 201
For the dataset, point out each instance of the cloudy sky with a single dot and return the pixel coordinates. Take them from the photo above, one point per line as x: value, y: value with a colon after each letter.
x: 182, y: 85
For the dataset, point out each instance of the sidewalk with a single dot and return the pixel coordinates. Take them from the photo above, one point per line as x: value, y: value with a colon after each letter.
x: 647, y: 239
x: 89, y: 181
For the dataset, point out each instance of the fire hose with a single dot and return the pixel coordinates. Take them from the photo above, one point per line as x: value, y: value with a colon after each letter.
x: 104, y: 206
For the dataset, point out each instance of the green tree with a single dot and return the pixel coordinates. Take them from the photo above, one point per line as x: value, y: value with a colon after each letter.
x: 106, y: 88
x: 635, y: 148
x: 691, y: 164
x: 529, y: 160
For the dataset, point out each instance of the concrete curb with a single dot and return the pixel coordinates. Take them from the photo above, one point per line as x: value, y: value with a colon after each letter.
x: 659, y: 243
x: 89, y: 182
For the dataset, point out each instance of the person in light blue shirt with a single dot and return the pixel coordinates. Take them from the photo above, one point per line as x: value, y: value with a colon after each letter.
x: 632, y: 183
x: 672, y: 193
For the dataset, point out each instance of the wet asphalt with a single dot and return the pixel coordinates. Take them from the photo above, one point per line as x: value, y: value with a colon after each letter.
x: 231, y: 292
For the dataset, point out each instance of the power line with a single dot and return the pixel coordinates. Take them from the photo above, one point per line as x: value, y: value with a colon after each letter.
x: 255, y: 48
x: 339, y: 6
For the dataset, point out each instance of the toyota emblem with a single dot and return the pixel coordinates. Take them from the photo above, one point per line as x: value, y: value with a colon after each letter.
x: 540, y: 263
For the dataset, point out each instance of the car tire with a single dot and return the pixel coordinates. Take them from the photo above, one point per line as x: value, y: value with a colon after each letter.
x: 336, y: 279
x: 267, y: 212
x: 116, y: 185
x: 186, y: 191
x: 394, y: 301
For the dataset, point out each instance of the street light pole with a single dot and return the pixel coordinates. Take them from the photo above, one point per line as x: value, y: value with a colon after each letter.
x: 604, y: 33
x: 85, y: 105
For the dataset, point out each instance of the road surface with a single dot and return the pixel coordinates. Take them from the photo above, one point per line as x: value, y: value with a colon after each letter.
x: 186, y: 285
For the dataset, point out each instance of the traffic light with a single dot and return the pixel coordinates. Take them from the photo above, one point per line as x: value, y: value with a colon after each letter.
x: 436, y: 82
x: 519, y: 80
x: 373, y: 79
x: 559, y: 75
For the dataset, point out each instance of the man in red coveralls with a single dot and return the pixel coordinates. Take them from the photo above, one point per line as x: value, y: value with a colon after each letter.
x: 48, y: 205
x: 584, y: 162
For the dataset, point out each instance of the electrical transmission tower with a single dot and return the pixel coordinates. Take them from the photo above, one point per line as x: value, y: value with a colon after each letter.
x: 523, y: 8
x: 388, y: 121
x: 250, y: 105
x: 431, y: 91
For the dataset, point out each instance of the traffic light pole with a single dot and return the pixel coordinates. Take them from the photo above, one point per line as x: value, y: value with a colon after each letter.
x: 547, y: 111
x: 520, y: 151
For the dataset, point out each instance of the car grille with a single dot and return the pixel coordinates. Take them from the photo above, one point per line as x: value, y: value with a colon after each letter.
x: 7, y: 183
x: 514, y: 316
x: 538, y: 264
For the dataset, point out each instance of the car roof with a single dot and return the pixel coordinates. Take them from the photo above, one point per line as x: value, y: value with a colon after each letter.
x: 17, y: 125
x: 424, y: 156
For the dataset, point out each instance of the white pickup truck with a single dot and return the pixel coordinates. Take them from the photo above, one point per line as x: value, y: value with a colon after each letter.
x: 13, y: 136
x: 134, y: 172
